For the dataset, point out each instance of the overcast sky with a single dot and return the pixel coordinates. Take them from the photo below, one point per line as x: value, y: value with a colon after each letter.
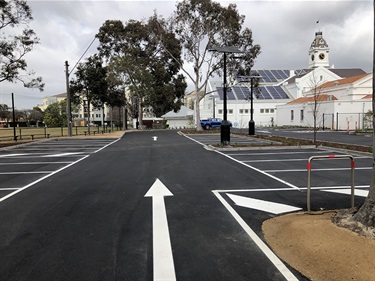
x: 284, y: 29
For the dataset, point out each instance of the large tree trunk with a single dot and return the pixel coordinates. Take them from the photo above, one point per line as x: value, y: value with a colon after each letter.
x: 366, y: 214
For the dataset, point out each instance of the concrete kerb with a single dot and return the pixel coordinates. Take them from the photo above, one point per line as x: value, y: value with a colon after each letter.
x: 264, y: 147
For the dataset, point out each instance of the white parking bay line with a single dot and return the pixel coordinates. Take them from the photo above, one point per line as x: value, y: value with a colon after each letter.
x: 266, y: 206
x: 357, y: 192
x: 63, y: 154
x: 12, y: 155
x: 35, y: 163
x: 261, y: 245
x: 26, y: 173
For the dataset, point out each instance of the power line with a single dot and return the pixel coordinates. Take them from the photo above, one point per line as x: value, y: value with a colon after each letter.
x: 82, y: 55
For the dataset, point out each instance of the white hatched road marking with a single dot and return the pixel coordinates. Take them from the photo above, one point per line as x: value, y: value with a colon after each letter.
x: 262, y: 205
x: 357, y: 192
x: 261, y: 245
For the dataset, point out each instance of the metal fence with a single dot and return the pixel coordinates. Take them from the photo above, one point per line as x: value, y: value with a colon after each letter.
x: 32, y: 133
x: 348, y: 121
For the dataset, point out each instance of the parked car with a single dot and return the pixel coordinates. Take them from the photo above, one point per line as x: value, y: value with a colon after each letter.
x: 212, y: 123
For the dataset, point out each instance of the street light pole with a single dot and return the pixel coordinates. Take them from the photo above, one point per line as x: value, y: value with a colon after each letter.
x: 251, y: 122
x: 68, y: 102
x: 213, y: 105
x: 225, y: 125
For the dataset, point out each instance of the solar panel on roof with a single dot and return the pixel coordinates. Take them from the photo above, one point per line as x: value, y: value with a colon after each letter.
x: 239, y: 92
x: 277, y: 74
x: 230, y: 94
x: 281, y: 92
x: 246, y: 92
x: 265, y: 77
x: 263, y: 94
x: 284, y: 74
x: 270, y: 76
x: 220, y: 92
x: 274, y: 94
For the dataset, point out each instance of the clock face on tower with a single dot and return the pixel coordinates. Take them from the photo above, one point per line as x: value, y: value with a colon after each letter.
x: 321, y: 56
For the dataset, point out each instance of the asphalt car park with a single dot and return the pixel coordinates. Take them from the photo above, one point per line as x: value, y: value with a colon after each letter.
x: 214, y: 139
x: 89, y: 215
x: 25, y: 165
x: 287, y: 167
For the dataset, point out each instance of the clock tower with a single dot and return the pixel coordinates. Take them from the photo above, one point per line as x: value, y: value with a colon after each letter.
x: 318, y: 53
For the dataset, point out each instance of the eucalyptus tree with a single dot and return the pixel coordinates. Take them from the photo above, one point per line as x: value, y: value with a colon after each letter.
x: 5, y: 112
x: 366, y: 213
x: 90, y: 85
x: 200, y: 26
x: 149, y: 71
x: 55, y: 114
x: 15, y: 46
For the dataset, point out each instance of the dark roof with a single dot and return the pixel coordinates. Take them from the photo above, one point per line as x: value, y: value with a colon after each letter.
x: 347, y: 72
x: 342, y: 72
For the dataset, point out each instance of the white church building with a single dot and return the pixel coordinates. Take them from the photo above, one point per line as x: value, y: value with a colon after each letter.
x: 286, y: 97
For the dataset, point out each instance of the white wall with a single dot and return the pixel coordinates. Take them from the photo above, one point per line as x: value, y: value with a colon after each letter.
x: 180, y: 123
x: 350, y: 114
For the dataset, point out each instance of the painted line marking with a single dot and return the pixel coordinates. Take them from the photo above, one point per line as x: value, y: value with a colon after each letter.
x: 12, y: 155
x: 328, y: 169
x: 357, y: 192
x: 25, y: 173
x: 290, y: 160
x: 262, y: 205
x: 278, y: 153
x: 8, y: 188
x: 162, y: 249
x: 251, y: 167
x: 261, y: 245
x: 49, y: 175
x: 34, y: 163
x: 63, y: 154
x: 289, y: 189
x: 260, y: 171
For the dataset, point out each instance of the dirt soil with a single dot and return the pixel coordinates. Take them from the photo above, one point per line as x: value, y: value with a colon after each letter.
x: 319, y: 249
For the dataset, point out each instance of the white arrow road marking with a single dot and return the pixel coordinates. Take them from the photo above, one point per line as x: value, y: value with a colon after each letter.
x: 266, y: 206
x: 163, y: 258
x: 155, y: 138
x: 357, y: 192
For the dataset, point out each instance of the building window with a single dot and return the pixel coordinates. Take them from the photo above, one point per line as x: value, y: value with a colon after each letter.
x: 292, y: 115
x: 262, y: 110
x: 272, y: 110
x: 267, y: 110
x: 302, y: 115
x: 220, y: 111
x: 230, y: 111
x: 241, y: 111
